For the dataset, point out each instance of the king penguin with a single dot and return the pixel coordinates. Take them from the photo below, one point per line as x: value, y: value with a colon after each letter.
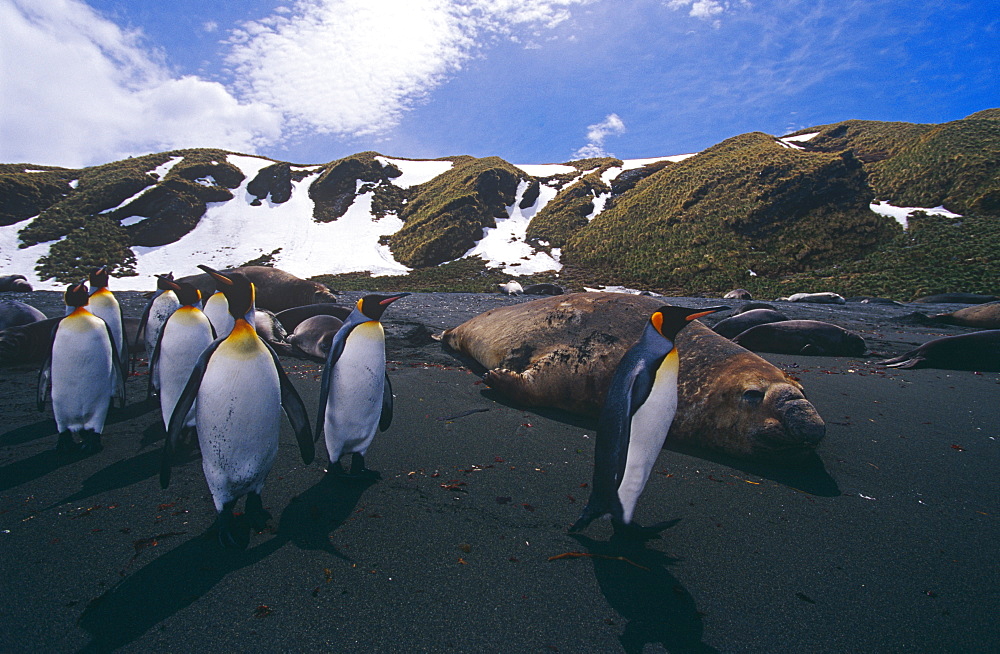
x: 217, y: 310
x: 634, y: 421
x: 240, y: 389
x: 186, y: 334
x: 355, y: 395
x: 82, y: 371
x: 105, y: 306
x: 163, y: 303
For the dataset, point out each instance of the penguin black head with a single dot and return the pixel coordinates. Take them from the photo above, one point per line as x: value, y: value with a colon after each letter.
x: 373, y: 306
x: 76, y: 295
x: 238, y: 290
x: 161, y: 281
x: 99, y: 277
x: 668, y: 319
x: 187, y: 294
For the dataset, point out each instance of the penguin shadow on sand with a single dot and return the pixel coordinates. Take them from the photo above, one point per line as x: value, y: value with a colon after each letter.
x: 179, y: 578
x: 161, y: 588
x: 120, y: 474
x: 35, y: 466
x: 638, y: 585
x: 313, y: 515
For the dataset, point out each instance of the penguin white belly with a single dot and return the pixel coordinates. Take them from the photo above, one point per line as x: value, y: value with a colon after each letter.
x: 104, y: 305
x: 217, y: 310
x: 163, y: 306
x: 82, y: 374
x: 648, y: 432
x: 185, y: 336
x: 357, y: 382
x: 238, y: 414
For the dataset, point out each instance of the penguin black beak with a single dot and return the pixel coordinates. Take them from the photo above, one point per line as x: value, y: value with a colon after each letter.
x: 392, y: 298
x: 216, y: 275
x: 705, y: 312
x: 167, y: 283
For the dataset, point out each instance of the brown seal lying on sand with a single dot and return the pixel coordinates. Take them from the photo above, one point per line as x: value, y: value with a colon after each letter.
x: 975, y: 351
x: 984, y: 316
x: 562, y: 352
x: 276, y: 290
x: 810, y: 337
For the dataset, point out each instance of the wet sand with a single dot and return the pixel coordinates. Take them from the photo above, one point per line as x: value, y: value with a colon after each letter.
x: 885, y: 541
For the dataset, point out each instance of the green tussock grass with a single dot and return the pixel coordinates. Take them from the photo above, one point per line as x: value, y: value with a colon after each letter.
x: 443, y: 218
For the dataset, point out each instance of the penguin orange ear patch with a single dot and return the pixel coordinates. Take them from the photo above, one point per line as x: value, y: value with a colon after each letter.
x: 657, y: 320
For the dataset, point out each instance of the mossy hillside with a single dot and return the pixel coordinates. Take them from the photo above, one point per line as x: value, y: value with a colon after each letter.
x: 26, y: 194
x: 954, y: 164
x: 745, y: 204
x: 567, y: 212
x: 936, y: 254
x: 102, y: 242
x: 172, y: 209
x: 445, y: 217
x: 871, y: 141
x: 333, y: 192
x: 470, y: 275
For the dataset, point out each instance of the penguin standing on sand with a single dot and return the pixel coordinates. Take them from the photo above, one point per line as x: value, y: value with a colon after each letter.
x: 634, y: 421
x: 82, y: 371
x: 163, y: 303
x: 186, y: 334
x: 105, y: 306
x: 355, y: 397
x: 240, y: 388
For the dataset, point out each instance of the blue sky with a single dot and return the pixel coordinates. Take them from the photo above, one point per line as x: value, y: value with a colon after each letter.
x: 530, y: 81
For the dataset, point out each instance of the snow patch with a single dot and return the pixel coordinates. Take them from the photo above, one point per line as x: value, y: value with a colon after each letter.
x: 415, y: 172
x: 902, y: 214
x: 22, y: 261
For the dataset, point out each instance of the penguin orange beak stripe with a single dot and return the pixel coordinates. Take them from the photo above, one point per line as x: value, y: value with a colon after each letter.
x: 216, y: 275
x: 695, y: 316
x: 390, y: 300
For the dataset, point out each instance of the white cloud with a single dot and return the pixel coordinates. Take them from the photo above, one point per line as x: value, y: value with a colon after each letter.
x: 352, y: 67
x: 706, y: 10
x: 612, y: 125
x: 75, y: 89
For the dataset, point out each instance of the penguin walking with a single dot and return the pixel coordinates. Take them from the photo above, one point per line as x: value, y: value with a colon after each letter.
x: 185, y: 335
x: 105, y: 306
x: 239, y: 388
x: 634, y: 421
x: 355, y: 395
x: 81, y: 371
x: 163, y: 303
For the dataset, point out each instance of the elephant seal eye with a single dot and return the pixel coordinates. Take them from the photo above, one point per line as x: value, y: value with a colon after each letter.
x: 753, y: 396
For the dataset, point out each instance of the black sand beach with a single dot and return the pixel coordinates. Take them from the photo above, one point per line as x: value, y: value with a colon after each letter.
x: 886, y: 541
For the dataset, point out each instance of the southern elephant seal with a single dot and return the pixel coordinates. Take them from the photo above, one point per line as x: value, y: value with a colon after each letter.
x: 741, y: 322
x: 983, y: 316
x: 956, y: 298
x: 313, y: 335
x: 276, y: 290
x: 14, y: 313
x: 14, y: 283
x: 826, y: 297
x: 812, y: 337
x: 975, y: 351
x: 543, y: 289
x: 738, y: 294
x: 291, y: 318
x: 562, y: 351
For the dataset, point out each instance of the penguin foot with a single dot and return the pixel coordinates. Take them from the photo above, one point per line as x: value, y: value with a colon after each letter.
x: 223, y: 528
x: 91, y: 443
x: 66, y: 445
x: 359, y: 470
x: 636, y: 532
x: 256, y: 513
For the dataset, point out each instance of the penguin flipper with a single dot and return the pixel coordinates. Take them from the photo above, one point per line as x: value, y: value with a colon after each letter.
x: 178, y: 419
x: 154, y: 360
x: 119, y: 372
x: 44, y: 382
x: 295, y: 410
x: 385, y: 419
x: 45, y: 372
x: 336, y: 349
